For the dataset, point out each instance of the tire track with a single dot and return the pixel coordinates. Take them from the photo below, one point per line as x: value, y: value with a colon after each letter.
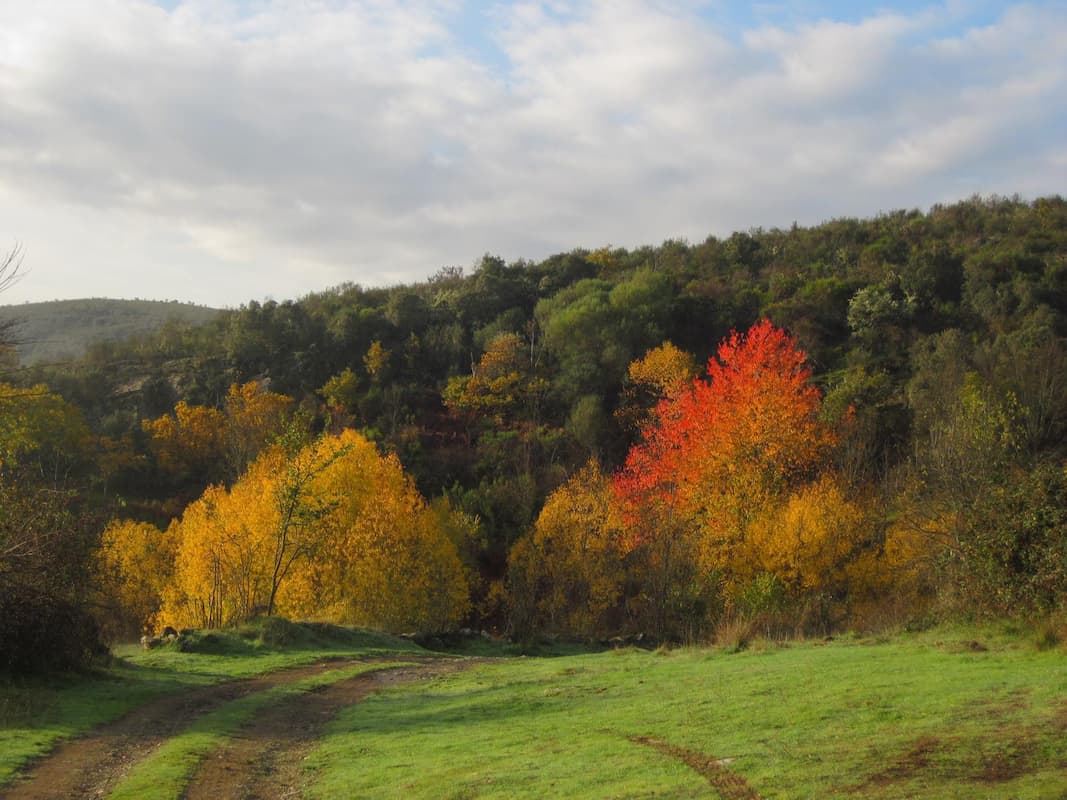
x: 265, y: 759
x: 730, y: 785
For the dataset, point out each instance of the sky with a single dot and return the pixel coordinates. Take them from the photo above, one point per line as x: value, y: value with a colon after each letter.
x: 222, y: 151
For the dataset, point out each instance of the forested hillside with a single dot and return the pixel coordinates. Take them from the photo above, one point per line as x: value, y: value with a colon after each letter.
x: 890, y: 437
x: 61, y: 329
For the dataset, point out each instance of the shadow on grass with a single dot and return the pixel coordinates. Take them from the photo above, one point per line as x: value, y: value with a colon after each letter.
x: 433, y: 709
x: 479, y: 647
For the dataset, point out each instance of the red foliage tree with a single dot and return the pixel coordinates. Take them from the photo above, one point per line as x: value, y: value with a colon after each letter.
x: 718, y: 452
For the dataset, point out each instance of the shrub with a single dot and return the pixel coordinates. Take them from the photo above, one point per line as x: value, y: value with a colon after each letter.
x: 40, y: 632
x: 45, y: 623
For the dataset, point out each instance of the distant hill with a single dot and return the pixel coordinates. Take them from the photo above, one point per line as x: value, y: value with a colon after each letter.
x: 62, y: 329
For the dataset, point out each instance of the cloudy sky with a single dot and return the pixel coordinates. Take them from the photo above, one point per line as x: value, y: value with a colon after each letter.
x: 219, y: 151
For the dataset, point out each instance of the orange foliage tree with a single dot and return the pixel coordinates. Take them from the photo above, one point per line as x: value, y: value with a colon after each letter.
x: 716, y: 456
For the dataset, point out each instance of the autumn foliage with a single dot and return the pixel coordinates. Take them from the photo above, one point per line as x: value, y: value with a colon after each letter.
x: 133, y: 566
x: 660, y: 373
x: 729, y: 486
x: 719, y: 451
x: 334, y: 531
x: 568, y: 575
x: 727, y: 505
x: 929, y: 479
x: 200, y: 442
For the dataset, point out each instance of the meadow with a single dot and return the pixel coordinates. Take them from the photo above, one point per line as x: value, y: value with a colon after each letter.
x: 952, y: 712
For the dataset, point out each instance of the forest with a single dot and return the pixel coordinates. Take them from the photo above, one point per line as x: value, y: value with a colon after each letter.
x: 855, y: 424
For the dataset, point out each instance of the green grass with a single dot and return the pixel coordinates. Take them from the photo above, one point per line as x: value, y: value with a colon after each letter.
x: 961, y: 712
x: 920, y: 715
x: 36, y: 713
x: 164, y: 774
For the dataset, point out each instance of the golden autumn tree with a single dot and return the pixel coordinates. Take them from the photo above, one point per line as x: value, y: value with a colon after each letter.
x: 238, y: 547
x: 42, y: 432
x: 503, y: 385
x: 806, y: 540
x: 661, y: 372
x: 254, y: 417
x: 332, y: 531
x: 222, y: 565
x: 189, y: 442
x: 897, y: 576
x: 206, y: 444
x: 341, y: 393
x: 133, y: 564
x: 376, y: 361
x: 567, y: 574
x: 385, y: 559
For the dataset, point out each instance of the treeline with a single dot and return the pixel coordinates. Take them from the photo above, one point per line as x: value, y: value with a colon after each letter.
x: 938, y: 367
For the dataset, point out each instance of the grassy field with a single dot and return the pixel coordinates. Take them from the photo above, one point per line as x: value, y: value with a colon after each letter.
x: 35, y: 714
x: 961, y: 713
x: 949, y: 713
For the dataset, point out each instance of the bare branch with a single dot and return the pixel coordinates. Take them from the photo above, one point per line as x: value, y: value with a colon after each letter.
x: 10, y: 266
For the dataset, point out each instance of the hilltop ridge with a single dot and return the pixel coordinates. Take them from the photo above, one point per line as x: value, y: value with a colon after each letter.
x: 57, y: 330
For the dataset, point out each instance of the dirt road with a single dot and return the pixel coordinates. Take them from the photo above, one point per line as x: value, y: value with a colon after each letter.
x: 265, y: 759
x: 262, y: 760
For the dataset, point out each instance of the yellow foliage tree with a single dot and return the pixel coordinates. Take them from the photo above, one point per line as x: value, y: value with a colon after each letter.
x: 335, y: 531
x: 254, y: 416
x: 661, y: 372
x: 189, y: 441
x: 376, y: 360
x: 385, y: 560
x: 133, y: 565
x: 666, y: 369
x: 39, y: 428
x: 208, y: 444
x: 568, y: 573
x: 807, y: 540
x: 503, y: 383
x: 222, y: 565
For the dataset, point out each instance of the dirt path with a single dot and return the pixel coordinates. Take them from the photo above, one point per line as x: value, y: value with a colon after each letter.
x: 91, y: 765
x: 265, y: 758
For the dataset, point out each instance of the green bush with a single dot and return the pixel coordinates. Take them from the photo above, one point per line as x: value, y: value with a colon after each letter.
x: 1012, y: 557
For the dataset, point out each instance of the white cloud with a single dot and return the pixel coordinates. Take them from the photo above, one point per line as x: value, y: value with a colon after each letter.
x: 214, y: 154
